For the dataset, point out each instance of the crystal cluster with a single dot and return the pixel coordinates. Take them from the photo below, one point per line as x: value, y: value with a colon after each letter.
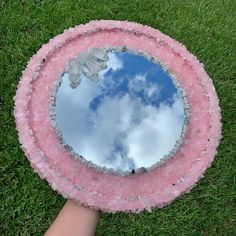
x: 89, y: 64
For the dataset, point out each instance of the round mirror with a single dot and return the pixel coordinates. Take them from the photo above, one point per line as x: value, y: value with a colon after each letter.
x: 119, y: 109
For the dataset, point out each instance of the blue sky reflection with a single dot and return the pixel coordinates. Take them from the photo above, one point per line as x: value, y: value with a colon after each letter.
x: 130, y: 119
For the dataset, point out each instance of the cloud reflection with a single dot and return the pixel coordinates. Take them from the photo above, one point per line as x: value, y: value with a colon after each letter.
x: 130, y: 119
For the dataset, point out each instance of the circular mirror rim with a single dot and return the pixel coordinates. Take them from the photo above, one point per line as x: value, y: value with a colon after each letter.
x: 104, y: 169
x: 155, y: 188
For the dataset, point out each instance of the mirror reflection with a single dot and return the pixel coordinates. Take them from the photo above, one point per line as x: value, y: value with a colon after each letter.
x: 130, y: 117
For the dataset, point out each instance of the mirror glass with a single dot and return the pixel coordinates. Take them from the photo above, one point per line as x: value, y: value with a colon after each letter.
x: 119, y: 110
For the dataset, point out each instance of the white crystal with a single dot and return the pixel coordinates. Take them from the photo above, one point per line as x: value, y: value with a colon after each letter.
x: 73, y: 67
x: 88, y: 64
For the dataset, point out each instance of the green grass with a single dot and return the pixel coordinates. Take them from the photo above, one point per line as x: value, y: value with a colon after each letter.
x: 206, y: 27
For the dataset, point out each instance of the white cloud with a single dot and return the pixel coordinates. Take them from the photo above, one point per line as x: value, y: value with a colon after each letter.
x: 114, y: 62
x: 157, y: 133
x: 140, y: 84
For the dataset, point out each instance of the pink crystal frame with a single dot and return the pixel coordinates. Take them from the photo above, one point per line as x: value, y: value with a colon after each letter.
x: 110, y: 192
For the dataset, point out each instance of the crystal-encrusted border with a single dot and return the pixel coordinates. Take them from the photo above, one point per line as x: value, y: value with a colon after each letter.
x: 131, y: 196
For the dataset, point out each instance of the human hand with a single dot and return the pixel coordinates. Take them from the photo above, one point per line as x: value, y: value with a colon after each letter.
x: 74, y: 220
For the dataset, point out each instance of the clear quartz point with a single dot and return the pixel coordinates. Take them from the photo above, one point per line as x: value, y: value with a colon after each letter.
x: 75, y: 80
x: 88, y: 64
x: 94, y: 78
x: 99, y: 54
x: 73, y: 67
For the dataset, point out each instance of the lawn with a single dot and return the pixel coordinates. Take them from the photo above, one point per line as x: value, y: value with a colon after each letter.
x: 206, y: 27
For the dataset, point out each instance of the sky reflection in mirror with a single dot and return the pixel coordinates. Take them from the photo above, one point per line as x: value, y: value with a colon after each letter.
x: 131, y: 118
